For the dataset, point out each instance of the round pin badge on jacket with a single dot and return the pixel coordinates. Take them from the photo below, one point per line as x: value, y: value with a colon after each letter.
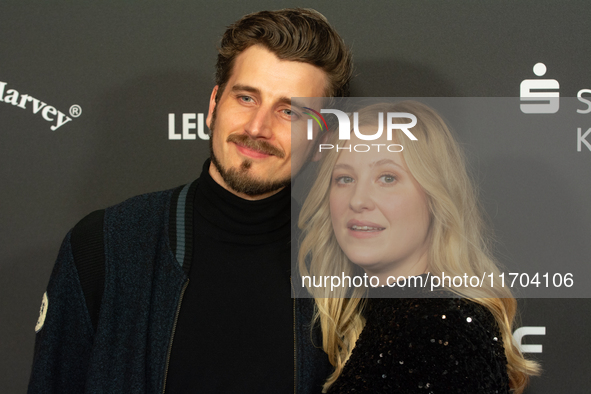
x: 42, y: 313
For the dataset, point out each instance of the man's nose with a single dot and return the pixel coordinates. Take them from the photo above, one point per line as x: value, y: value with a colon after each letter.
x: 260, y: 123
x: 361, y: 199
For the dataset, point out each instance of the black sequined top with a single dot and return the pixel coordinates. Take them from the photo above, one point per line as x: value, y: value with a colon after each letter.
x: 426, y: 345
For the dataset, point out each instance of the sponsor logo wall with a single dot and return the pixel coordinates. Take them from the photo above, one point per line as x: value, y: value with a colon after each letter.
x: 189, y: 123
x: 546, y: 100
x: 101, y: 102
x: 48, y: 113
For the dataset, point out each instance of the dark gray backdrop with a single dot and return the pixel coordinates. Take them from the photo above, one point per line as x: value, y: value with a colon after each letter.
x: 127, y: 66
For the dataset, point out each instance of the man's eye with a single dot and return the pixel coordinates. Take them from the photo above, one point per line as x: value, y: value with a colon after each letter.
x: 246, y: 99
x: 291, y: 113
x: 387, y: 178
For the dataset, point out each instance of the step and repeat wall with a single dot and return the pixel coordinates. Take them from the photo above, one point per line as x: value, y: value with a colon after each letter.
x: 102, y: 101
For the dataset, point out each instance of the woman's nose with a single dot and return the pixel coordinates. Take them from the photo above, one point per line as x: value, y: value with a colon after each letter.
x: 361, y: 199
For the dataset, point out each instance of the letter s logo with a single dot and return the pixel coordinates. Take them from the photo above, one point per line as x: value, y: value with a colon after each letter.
x: 536, y: 90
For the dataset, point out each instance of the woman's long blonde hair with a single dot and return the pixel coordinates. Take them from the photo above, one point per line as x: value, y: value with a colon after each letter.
x: 459, y: 240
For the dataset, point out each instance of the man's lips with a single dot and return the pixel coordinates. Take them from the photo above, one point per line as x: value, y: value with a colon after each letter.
x: 255, y: 154
x: 255, y: 148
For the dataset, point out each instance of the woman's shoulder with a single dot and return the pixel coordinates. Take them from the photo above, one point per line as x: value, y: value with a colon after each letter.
x: 442, y: 312
x: 438, y: 320
x: 445, y: 344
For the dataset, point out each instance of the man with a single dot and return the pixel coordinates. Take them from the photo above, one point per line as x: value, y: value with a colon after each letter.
x: 187, y: 290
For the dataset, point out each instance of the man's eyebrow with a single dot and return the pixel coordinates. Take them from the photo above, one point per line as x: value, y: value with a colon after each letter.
x: 250, y: 89
x: 245, y: 88
x: 296, y: 106
x: 285, y: 100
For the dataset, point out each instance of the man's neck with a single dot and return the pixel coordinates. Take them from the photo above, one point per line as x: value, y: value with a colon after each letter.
x: 217, y: 177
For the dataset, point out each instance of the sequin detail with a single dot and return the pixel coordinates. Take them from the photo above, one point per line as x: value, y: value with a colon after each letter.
x: 426, y: 346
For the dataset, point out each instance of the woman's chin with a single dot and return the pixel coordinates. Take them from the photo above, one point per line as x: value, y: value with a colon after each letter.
x: 367, y: 263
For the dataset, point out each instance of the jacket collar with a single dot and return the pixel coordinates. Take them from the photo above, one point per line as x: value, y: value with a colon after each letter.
x: 180, y: 229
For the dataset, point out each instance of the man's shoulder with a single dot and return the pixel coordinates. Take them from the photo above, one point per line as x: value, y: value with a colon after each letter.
x: 146, y: 204
x: 127, y: 236
x: 144, y: 214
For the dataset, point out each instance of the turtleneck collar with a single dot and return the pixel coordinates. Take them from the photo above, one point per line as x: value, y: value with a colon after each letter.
x: 241, y: 220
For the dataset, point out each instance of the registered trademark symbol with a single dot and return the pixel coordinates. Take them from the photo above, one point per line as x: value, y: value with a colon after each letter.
x: 75, y: 110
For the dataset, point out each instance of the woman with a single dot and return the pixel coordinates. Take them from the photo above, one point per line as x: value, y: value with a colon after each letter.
x: 392, y: 214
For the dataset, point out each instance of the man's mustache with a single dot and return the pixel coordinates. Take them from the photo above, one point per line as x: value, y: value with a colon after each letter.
x: 259, y: 145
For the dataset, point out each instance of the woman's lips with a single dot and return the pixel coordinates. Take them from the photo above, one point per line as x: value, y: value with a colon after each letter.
x: 363, y: 229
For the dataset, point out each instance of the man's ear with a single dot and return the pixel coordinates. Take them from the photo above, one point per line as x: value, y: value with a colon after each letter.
x: 212, y: 104
x: 323, y: 139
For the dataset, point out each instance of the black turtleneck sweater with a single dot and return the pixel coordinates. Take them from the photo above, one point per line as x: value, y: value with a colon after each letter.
x: 235, y: 328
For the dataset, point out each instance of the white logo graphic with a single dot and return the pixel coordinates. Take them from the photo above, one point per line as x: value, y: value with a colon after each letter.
x: 581, y: 139
x: 42, y: 313
x: 537, y: 90
x: 345, y: 125
x: 523, y: 331
x: 47, y: 111
x: 187, y: 126
x: 345, y: 130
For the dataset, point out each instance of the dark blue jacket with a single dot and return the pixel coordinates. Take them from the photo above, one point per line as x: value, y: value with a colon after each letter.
x: 147, y: 246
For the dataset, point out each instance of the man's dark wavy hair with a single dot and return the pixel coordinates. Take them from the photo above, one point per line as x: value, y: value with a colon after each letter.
x: 296, y: 34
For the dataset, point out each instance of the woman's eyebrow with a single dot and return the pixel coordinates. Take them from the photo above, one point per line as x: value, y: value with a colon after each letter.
x: 386, y: 161
x: 345, y: 166
x: 372, y: 164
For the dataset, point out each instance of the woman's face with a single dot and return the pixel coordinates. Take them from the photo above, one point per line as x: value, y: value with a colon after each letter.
x: 379, y: 212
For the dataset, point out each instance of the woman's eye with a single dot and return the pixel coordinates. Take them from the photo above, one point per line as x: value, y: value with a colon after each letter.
x: 343, y: 180
x: 387, y: 178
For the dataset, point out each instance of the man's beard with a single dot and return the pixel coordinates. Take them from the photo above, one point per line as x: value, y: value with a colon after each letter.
x: 239, y: 179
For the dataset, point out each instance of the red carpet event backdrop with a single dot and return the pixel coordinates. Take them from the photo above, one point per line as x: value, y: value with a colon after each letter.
x: 103, y: 101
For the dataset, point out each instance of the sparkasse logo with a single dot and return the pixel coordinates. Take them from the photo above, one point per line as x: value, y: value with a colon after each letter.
x: 537, y: 90
x: 345, y: 129
x: 48, y: 112
x: 548, y: 102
